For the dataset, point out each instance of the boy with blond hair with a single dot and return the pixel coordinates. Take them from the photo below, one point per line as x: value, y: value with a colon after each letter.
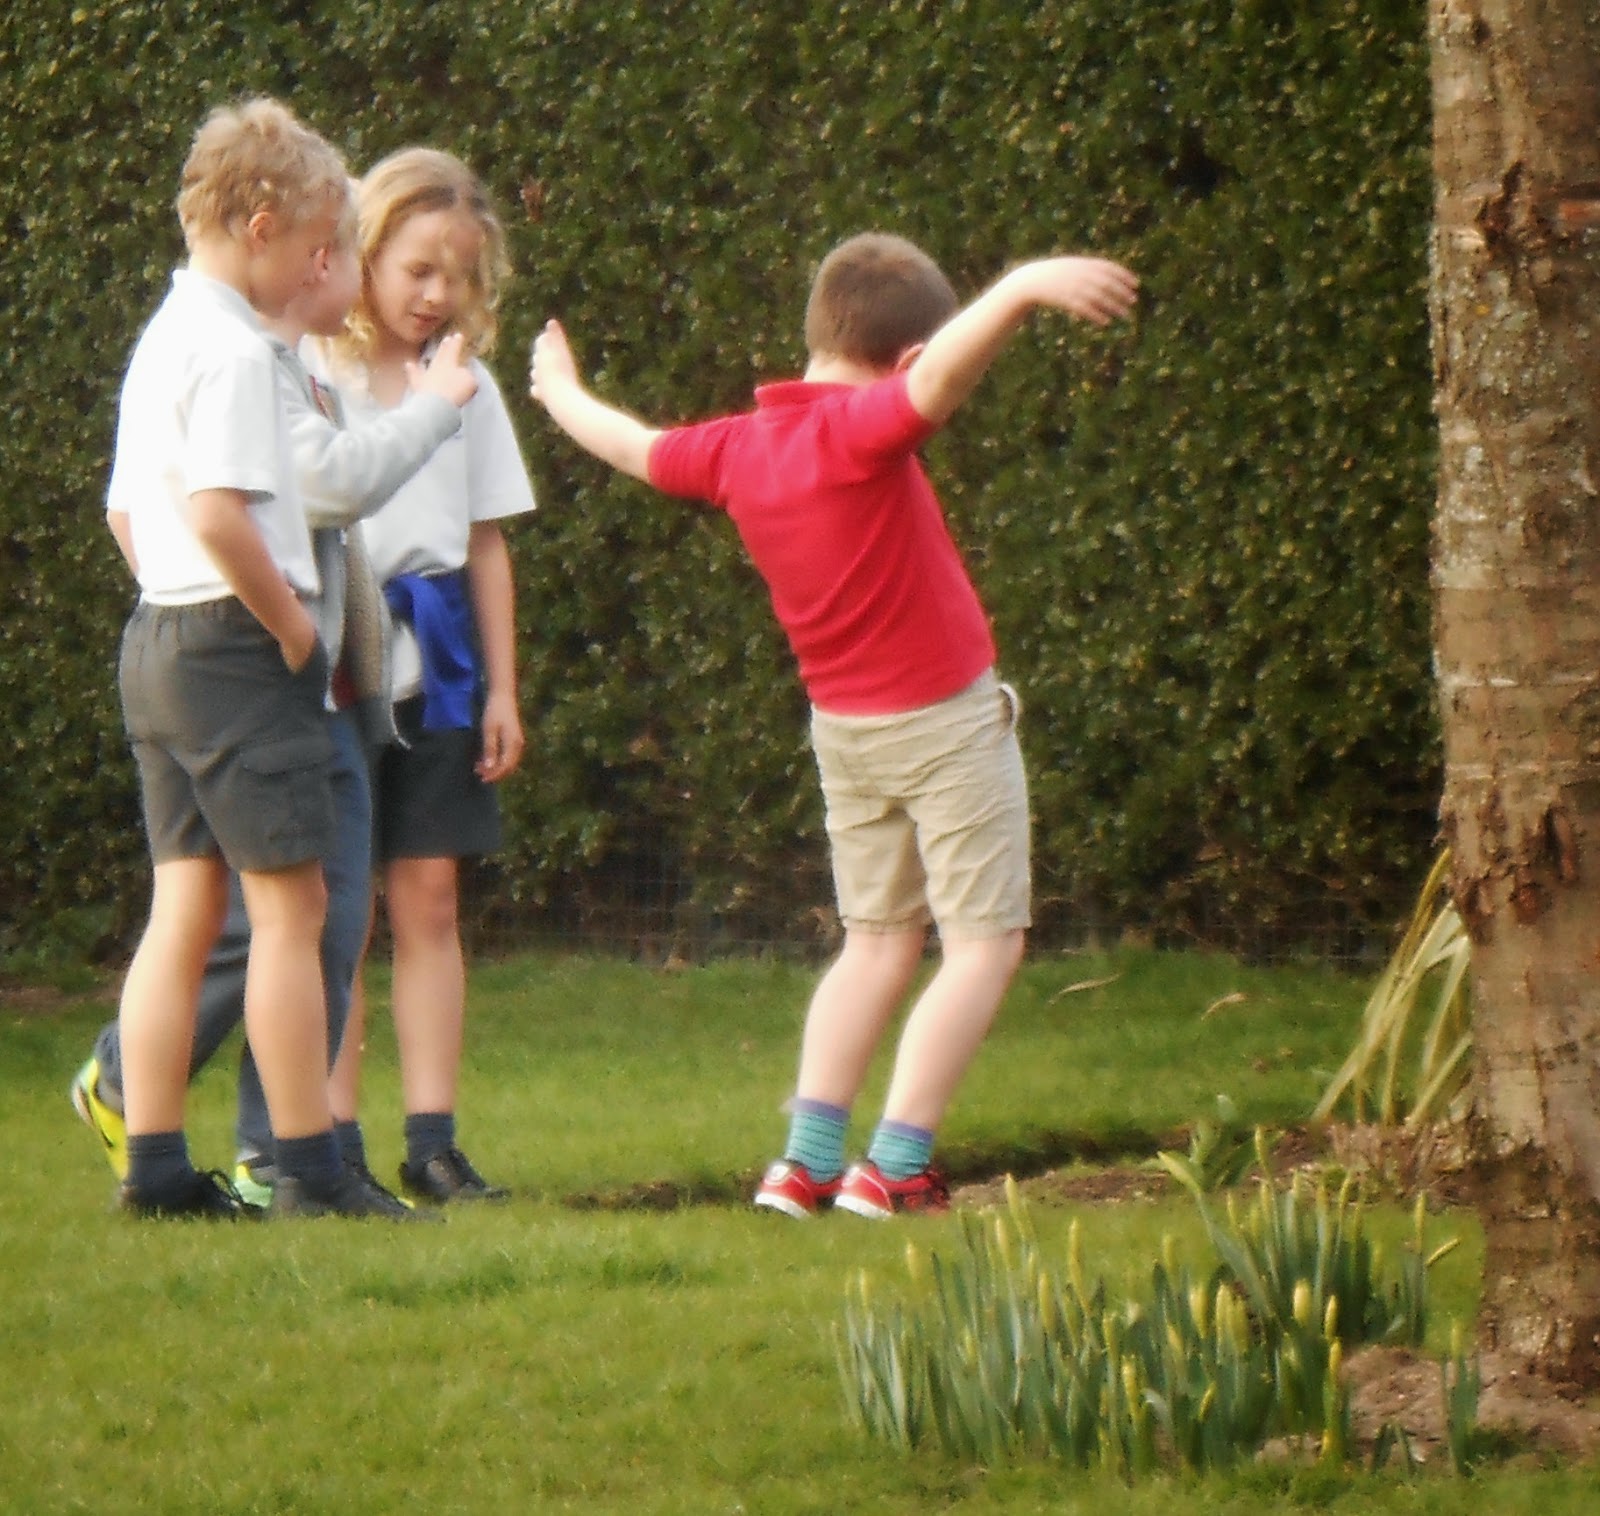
x: 222, y: 671
x: 342, y: 475
x: 914, y: 735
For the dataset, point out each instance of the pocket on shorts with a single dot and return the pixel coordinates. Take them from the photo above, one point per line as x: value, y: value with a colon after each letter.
x: 284, y: 795
x: 289, y: 760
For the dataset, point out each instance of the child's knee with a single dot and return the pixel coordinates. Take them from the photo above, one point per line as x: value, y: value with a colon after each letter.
x: 423, y: 903
x: 1000, y: 954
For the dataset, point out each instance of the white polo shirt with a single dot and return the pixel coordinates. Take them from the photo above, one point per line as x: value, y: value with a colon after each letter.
x: 201, y: 409
x: 475, y: 475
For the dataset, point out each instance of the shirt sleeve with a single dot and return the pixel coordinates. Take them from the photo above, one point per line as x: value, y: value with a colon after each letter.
x: 877, y: 423
x: 345, y: 473
x: 497, y: 478
x: 687, y: 461
x: 229, y: 437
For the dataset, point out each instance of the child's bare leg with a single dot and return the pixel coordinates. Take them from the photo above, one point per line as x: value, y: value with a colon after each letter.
x: 849, y: 1010
x: 284, y: 1012
x: 430, y: 994
x: 430, y: 980
x: 947, y: 1026
x: 850, y: 1007
x: 159, y: 995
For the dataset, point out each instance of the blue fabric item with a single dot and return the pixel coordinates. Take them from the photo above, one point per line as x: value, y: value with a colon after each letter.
x: 437, y: 608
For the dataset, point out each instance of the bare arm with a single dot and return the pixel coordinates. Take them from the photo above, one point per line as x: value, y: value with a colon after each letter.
x: 958, y: 355
x: 221, y: 522
x: 121, y: 524
x: 611, y: 435
x: 494, y: 611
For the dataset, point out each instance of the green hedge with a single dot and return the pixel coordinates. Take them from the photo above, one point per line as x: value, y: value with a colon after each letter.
x: 1203, y: 538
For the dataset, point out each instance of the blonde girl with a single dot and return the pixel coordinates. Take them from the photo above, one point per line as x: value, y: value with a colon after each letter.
x: 433, y: 259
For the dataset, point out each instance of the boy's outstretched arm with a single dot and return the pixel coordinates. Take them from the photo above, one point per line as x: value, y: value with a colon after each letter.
x: 611, y: 435
x: 956, y: 357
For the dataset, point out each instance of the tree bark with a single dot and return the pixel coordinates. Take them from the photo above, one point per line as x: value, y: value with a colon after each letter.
x: 1516, y: 338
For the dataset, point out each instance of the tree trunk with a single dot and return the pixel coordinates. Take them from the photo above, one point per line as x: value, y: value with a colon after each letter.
x: 1516, y: 336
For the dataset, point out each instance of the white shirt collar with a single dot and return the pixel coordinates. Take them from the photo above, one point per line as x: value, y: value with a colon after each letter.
x: 203, y: 288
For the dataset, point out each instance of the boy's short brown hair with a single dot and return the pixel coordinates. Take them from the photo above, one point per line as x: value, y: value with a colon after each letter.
x: 874, y: 296
x: 253, y: 157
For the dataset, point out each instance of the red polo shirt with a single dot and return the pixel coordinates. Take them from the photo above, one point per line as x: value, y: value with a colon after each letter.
x: 833, y: 506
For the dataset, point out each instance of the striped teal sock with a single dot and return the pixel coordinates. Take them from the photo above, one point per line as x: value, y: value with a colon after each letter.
x: 816, y: 1137
x: 900, y: 1150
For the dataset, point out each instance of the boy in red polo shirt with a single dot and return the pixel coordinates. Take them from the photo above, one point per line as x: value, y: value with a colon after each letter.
x: 915, y: 737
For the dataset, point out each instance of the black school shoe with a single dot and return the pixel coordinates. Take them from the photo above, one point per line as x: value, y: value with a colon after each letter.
x: 382, y: 1196
x: 207, y: 1196
x: 445, y: 1177
x: 351, y: 1197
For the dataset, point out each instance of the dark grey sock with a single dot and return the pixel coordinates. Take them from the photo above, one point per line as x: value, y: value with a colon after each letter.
x: 352, y: 1145
x: 313, y: 1160
x: 158, y: 1162
x: 429, y: 1133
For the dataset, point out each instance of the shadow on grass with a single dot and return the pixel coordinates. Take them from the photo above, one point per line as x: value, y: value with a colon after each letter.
x: 962, y: 1165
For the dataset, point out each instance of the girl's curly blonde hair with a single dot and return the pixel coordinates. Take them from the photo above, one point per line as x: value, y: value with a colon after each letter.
x: 416, y: 181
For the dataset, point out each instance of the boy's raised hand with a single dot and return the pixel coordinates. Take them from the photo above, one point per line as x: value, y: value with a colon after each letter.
x: 612, y: 435
x: 448, y: 372
x: 551, y: 362
x: 1093, y: 289
x: 945, y: 369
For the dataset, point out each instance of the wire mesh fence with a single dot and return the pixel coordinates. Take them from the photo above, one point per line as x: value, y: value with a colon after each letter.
x: 667, y: 916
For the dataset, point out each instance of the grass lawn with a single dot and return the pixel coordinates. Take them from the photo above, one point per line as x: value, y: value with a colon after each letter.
x: 576, y: 1351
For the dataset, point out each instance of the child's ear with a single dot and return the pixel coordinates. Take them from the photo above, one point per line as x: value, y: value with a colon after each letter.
x: 908, y: 356
x: 261, y: 228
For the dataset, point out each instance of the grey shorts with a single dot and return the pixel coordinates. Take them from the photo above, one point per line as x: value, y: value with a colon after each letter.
x: 928, y: 814
x: 426, y: 800
x: 232, y: 749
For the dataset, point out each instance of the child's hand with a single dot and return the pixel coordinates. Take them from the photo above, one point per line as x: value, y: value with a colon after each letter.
x: 447, y: 374
x: 1093, y: 289
x: 502, y: 738
x: 551, y: 362
x: 612, y: 435
x: 299, y: 642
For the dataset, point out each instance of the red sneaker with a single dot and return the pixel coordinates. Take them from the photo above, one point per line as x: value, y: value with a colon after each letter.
x: 789, y: 1187
x: 867, y: 1191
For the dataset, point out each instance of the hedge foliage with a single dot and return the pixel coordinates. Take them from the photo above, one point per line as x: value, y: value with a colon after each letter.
x: 1203, y: 537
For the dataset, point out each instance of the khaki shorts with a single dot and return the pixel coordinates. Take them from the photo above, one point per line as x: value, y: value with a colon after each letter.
x: 928, y: 814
